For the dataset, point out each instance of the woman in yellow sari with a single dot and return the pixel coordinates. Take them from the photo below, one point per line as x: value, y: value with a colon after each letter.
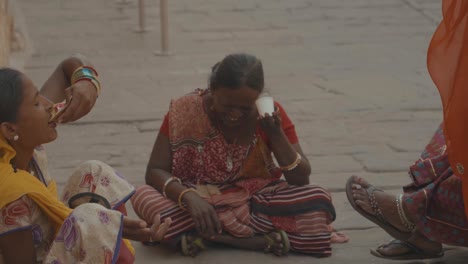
x: 35, y: 226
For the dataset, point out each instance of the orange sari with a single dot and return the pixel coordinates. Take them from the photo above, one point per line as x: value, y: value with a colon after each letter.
x: 447, y: 61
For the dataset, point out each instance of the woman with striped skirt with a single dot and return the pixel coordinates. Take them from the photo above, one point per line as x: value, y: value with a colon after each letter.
x: 212, y: 172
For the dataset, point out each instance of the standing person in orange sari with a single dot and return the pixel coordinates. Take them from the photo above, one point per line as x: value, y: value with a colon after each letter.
x: 35, y: 226
x: 212, y: 172
x: 433, y: 209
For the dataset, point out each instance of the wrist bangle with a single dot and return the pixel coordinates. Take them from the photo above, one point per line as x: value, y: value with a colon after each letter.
x: 293, y: 165
x: 95, y: 83
x: 91, y: 68
x: 181, y: 195
x: 82, y: 72
x: 86, y: 73
x: 166, y: 183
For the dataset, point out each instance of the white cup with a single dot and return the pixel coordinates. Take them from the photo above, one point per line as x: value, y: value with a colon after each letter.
x: 265, y: 105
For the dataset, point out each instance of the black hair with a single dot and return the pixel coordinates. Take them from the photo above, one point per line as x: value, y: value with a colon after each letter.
x: 11, y: 94
x: 236, y: 71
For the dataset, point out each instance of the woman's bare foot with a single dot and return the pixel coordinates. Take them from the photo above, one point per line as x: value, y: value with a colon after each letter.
x: 386, y: 203
x: 274, y: 242
x: 192, y: 245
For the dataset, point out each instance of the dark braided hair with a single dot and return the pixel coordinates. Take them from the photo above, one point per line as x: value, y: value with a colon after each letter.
x: 236, y: 71
x: 11, y: 94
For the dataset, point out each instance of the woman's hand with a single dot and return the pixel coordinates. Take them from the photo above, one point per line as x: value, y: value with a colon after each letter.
x: 138, y: 230
x: 271, y: 124
x: 203, y: 214
x: 84, y: 95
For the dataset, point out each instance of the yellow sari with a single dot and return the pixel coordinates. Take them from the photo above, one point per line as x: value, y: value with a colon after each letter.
x: 14, y: 185
x: 89, y: 228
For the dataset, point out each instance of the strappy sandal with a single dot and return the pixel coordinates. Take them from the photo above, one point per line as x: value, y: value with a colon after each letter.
x: 187, y: 245
x: 378, y: 217
x: 413, y: 252
x: 272, y: 244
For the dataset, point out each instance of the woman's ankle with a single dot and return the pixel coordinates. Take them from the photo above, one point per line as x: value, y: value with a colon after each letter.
x: 414, y: 216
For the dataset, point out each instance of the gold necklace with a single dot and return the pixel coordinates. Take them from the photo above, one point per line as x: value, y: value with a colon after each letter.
x: 229, y: 162
x: 229, y: 158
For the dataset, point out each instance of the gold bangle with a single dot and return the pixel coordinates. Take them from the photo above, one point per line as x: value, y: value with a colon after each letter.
x: 95, y: 83
x: 92, y: 68
x: 166, y: 183
x: 293, y: 165
x: 73, y: 78
x: 82, y: 72
x: 86, y: 73
x: 181, y: 195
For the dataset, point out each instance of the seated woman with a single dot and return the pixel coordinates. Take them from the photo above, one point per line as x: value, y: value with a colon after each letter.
x: 432, y: 210
x: 212, y: 172
x: 35, y: 226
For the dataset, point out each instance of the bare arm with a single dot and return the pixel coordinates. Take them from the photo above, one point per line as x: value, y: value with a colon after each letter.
x: 285, y: 154
x: 18, y: 247
x: 159, y: 170
x: 58, y: 88
x: 54, y: 87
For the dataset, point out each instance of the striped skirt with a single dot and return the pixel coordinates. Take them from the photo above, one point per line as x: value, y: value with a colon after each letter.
x: 304, y: 213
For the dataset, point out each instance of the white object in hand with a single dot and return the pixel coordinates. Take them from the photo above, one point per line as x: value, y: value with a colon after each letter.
x: 265, y: 105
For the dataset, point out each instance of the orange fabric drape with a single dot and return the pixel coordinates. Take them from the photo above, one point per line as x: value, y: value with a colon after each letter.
x: 447, y: 61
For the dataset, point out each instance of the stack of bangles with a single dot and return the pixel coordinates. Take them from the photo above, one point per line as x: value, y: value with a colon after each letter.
x: 293, y: 165
x: 181, y: 195
x: 87, y: 73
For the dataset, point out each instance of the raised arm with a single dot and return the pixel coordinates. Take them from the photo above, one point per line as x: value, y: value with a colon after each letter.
x: 290, y: 157
x: 84, y: 90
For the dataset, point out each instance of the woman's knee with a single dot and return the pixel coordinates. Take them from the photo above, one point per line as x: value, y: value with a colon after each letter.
x: 316, y: 190
x: 93, y: 166
x: 94, y: 169
x: 94, y: 176
x: 141, y: 194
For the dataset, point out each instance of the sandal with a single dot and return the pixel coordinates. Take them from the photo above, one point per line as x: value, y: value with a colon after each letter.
x: 413, y: 252
x: 189, y: 246
x: 272, y: 244
x: 378, y: 218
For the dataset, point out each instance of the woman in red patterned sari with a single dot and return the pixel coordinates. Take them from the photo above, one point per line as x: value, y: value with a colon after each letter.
x: 212, y: 172
x: 433, y: 209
